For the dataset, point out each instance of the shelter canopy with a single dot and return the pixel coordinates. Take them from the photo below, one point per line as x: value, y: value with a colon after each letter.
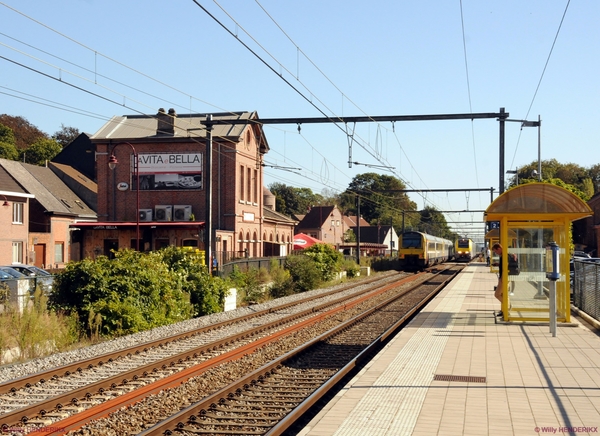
x: 539, y: 198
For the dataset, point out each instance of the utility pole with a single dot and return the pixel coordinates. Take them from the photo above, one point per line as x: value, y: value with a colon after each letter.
x: 208, y: 193
x: 358, y: 229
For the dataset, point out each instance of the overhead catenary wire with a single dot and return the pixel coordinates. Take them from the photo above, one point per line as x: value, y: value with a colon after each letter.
x: 137, y: 111
x: 96, y: 53
x: 537, y: 88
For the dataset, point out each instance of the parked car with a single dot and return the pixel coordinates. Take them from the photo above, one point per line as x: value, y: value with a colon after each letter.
x: 42, y: 278
x: 581, y: 254
x: 9, y: 273
x: 6, y: 275
x: 13, y: 273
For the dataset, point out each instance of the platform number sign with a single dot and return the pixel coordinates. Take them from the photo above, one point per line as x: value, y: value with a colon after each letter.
x: 491, y: 225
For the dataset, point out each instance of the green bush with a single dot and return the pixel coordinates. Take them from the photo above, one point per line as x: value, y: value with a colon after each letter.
x: 250, y: 284
x: 130, y: 293
x: 207, y: 293
x: 282, y: 284
x: 351, y: 268
x: 326, y: 258
x: 304, y: 273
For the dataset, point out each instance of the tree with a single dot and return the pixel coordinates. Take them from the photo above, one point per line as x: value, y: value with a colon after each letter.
x: 7, y: 143
x: 41, y: 151
x: 65, y: 135
x: 380, y: 198
x: 290, y: 200
x: 330, y: 197
x: 594, y: 173
x: 6, y: 134
x: 585, y: 180
x: 8, y: 151
x: 434, y: 223
x: 25, y: 132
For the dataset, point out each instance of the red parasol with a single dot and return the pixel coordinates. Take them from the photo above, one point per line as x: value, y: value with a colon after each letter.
x: 302, y: 241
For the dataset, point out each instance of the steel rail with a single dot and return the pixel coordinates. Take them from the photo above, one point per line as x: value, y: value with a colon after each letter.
x: 167, y: 426
x: 65, y: 370
x: 22, y: 415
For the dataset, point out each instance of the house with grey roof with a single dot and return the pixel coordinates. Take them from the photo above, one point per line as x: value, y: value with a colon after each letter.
x: 43, y: 208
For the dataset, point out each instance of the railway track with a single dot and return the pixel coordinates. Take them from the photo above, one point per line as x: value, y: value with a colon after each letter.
x: 218, y: 362
x: 41, y: 398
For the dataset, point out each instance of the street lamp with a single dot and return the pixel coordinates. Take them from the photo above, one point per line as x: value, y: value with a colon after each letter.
x: 537, y: 124
x: 112, y: 164
x: 516, y: 173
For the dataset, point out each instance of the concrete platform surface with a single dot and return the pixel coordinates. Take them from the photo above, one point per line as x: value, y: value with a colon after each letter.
x: 494, y: 378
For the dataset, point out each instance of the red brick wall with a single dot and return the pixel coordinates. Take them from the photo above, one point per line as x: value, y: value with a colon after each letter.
x: 12, y: 232
x: 230, y: 212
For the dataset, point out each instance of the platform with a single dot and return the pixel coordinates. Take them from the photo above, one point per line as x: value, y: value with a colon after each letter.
x: 494, y: 378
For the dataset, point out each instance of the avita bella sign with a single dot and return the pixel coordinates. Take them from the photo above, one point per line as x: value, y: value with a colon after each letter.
x: 156, y: 163
x: 169, y: 171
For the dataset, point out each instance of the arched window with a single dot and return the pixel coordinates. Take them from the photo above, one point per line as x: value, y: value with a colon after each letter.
x: 241, y: 243
x: 255, y: 245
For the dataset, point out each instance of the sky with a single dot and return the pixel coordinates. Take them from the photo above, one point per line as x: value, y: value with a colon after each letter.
x: 79, y: 62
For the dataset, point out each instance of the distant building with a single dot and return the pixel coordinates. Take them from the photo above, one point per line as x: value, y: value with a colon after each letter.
x: 325, y: 223
x: 172, y: 170
x: 586, y: 231
x: 384, y: 238
x: 39, y: 209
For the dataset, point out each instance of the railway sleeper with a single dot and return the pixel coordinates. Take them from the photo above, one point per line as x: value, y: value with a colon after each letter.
x: 212, y: 432
x: 244, y: 412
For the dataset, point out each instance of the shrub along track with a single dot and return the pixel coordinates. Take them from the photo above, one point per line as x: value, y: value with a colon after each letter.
x: 352, y: 328
x: 48, y: 396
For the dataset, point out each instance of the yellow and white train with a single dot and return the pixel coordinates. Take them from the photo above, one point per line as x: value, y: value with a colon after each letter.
x: 464, y: 250
x: 419, y: 250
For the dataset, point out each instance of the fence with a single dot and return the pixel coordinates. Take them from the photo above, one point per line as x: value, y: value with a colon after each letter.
x: 251, y: 263
x: 586, y: 287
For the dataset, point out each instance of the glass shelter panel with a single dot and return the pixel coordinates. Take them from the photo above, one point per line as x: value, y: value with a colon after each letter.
x: 528, y: 291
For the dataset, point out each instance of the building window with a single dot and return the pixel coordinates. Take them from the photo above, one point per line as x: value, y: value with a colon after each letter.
x: 59, y: 250
x: 255, y: 185
x: 242, y: 187
x: 249, y: 183
x: 17, y: 252
x: 161, y: 243
x: 17, y: 213
x: 189, y: 243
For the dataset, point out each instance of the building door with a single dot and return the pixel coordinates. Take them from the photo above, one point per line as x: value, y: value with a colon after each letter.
x: 109, y: 245
x: 40, y: 255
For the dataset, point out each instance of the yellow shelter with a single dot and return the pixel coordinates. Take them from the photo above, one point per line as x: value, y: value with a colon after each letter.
x: 491, y: 238
x: 530, y: 216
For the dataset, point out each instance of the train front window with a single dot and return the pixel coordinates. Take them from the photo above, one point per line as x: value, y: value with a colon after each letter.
x: 411, y: 241
x: 463, y: 243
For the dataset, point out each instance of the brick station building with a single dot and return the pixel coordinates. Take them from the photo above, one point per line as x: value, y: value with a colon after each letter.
x: 171, y: 152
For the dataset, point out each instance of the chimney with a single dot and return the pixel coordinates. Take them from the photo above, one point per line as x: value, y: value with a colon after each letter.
x: 165, y: 122
x: 268, y: 199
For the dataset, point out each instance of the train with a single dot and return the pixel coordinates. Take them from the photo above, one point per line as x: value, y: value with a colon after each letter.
x: 464, y: 250
x: 419, y: 250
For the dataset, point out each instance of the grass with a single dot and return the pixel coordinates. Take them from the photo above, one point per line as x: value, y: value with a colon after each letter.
x: 36, y: 331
